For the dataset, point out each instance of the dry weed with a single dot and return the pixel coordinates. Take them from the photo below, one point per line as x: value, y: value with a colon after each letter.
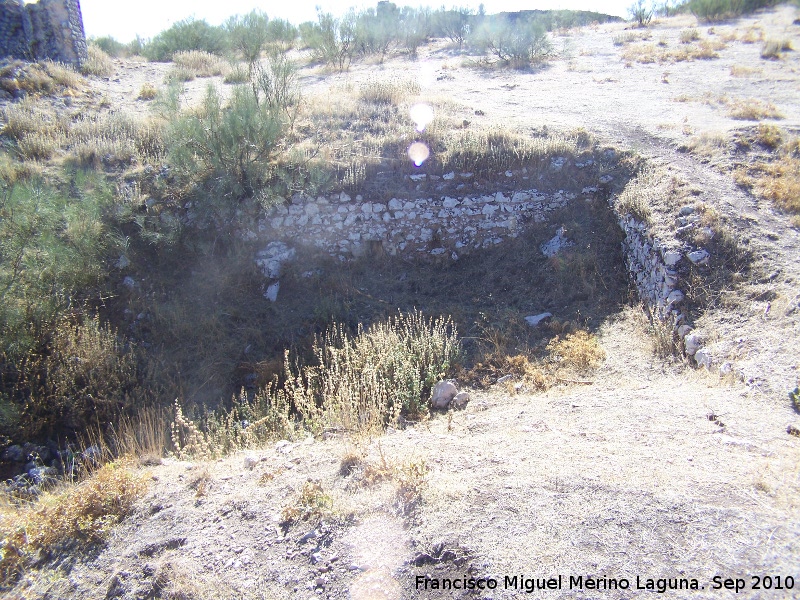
x: 98, y: 62
x: 312, y: 504
x: 580, y: 350
x: 147, y: 92
x: 773, y: 49
x: 77, y: 515
x: 752, y: 110
x: 199, y: 64
x: 744, y: 71
x: 388, y: 91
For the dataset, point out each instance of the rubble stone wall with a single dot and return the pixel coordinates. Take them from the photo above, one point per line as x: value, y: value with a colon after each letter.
x: 49, y: 29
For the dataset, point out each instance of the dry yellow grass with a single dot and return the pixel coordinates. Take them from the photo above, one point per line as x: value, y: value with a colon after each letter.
x: 743, y: 71
x: 781, y: 183
x: 98, y: 63
x: 687, y: 51
x: 201, y: 64
x: 147, y: 92
x: 750, y: 109
x: 580, y: 350
x: 76, y: 515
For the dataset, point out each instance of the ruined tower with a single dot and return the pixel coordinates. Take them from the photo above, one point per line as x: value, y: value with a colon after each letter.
x: 47, y: 29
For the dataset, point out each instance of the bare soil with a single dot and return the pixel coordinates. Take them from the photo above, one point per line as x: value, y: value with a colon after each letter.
x: 655, y: 469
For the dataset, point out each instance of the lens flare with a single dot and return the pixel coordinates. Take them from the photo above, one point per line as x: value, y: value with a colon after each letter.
x: 421, y: 114
x: 418, y: 152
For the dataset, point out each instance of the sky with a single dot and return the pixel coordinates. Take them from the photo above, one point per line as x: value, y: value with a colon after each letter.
x: 125, y: 20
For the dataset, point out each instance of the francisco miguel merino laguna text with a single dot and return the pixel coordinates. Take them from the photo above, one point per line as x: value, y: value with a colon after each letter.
x: 579, y: 582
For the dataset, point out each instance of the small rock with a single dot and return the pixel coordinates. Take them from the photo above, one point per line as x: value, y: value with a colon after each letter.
x: 703, y: 358
x: 692, y: 343
x: 122, y: 262
x: 449, y: 176
x: 672, y: 257
x: 443, y: 393
x: 534, y: 320
x: 674, y: 297
x: 698, y: 257
x: 129, y: 282
x: 505, y: 378
x: 460, y: 400
x: 272, y: 291
x: 686, y: 211
x: 250, y: 462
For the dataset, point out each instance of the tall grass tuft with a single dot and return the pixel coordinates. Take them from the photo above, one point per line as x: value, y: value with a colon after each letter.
x: 358, y: 383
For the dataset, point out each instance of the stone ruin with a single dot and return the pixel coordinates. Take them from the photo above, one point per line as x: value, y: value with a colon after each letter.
x: 48, y: 29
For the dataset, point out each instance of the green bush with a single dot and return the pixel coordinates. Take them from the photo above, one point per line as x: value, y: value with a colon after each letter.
x: 228, y: 146
x: 453, y: 24
x: 640, y: 12
x: 186, y: 35
x: 717, y: 10
x: 109, y: 45
x: 281, y: 33
x: 248, y: 35
x: 51, y: 252
x: 331, y: 41
x: 517, y: 42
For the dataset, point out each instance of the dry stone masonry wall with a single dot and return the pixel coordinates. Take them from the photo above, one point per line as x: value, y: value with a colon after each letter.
x: 350, y: 227
x: 453, y: 225
x: 49, y: 29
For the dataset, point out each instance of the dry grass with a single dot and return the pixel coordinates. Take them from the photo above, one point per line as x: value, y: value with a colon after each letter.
x: 744, y: 71
x: 42, y: 78
x: 200, y: 64
x: 577, y: 351
x: 773, y: 49
x: 781, y: 183
x: 689, y: 35
x: 751, y: 109
x: 630, y: 37
x: 98, y: 63
x: 77, y: 515
x: 311, y: 504
x: 147, y: 92
x: 712, y: 144
x: 753, y: 35
x: 650, y: 53
x: 88, y: 140
x: 388, y: 91
x: 641, y: 193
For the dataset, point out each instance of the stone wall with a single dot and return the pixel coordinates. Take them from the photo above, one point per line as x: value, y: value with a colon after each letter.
x: 49, y: 29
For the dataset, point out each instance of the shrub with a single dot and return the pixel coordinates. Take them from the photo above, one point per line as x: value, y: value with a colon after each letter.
x: 199, y: 63
x: 690, y: 35
x: 717, y: 10
x: 147, y: 92
x: 81, y: 515
x: 454, y: 24
x: 236, y: 75
x: 357, y: 383
x: 332, y: 41
x: 579, y: 350
x: 186, y: 35
x: 98, y: 63
x: 281, y: 33
x: 109, y: 45
x: 519, y: 42
x: 230, y: 146
x: 772, y: 48
x: 52, y: 249
x: 249, y: 35
x: 641, y: 13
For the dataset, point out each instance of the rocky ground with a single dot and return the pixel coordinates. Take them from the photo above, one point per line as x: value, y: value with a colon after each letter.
x: 653, y: 472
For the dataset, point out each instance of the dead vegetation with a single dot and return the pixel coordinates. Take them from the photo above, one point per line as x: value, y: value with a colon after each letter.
x: 77, y: 516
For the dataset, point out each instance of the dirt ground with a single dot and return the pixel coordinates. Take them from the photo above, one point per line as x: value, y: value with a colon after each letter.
x: 655, y: 470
